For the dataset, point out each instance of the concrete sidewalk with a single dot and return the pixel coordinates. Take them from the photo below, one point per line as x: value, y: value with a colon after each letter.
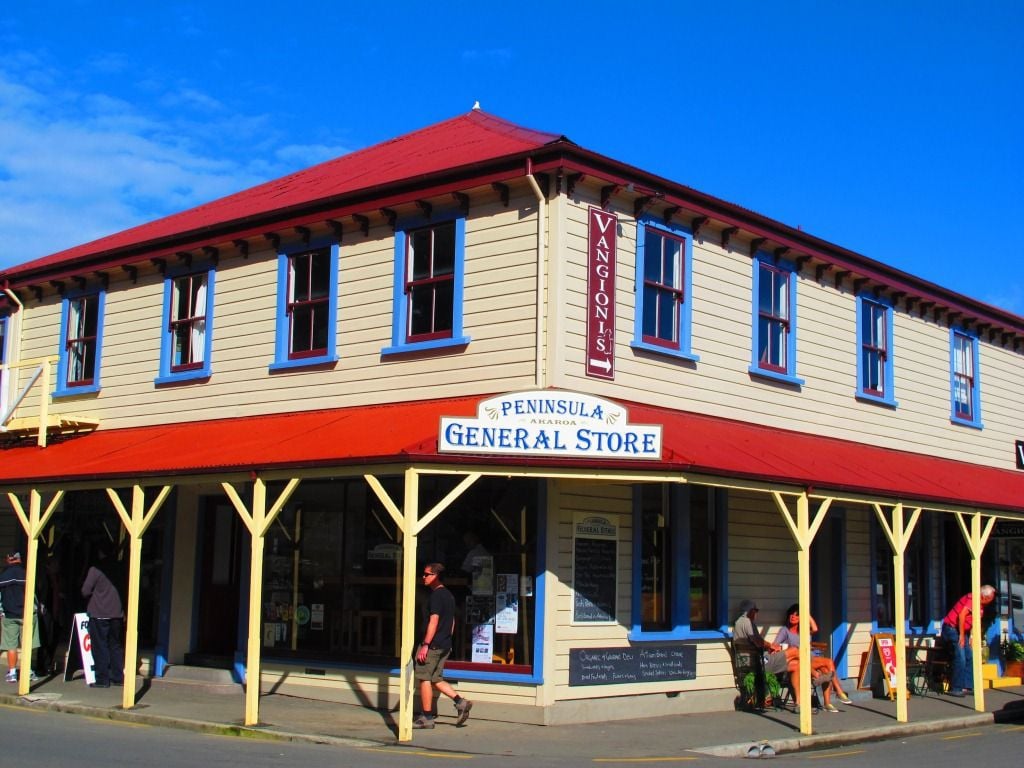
x: 726, y: 734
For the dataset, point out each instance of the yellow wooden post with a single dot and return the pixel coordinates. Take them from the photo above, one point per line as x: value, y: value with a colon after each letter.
x: 135, y: 523
x: 252, y: 654
x: 898, y: 531
x: 803, y: 530
x: 407, y: 686
x: 257, y: 520
x: 33, y: 524
x: 976, y: 539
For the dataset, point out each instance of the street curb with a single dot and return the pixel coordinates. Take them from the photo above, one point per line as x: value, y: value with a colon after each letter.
x: 255, y: 732
x: 826, y: 740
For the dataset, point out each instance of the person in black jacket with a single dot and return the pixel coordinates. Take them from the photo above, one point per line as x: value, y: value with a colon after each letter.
x: 106, y: 626
x: 12, y: 612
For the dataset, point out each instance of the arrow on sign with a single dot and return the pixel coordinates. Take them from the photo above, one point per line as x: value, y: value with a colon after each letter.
x: 606, y: 364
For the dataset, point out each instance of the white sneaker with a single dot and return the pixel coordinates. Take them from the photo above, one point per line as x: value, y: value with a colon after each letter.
x: 12, y: 676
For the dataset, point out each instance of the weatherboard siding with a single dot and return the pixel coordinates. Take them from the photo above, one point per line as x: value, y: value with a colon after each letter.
x: 499, y: 315
x: 719, y: 384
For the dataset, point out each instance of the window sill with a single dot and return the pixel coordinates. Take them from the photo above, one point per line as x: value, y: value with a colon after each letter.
x: 966, y: 423
x: 63, y: 392
x: 666, y: 351
x: 302, y: 362
x: 679, y: 633
x: 864, y: 397
x: 179, y: 378
x: 783, y: 378
x: 422, y: 346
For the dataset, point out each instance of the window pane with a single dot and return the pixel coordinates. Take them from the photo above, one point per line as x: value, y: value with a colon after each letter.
x: 650, y: 310
x: 667, y: 324
x: 420, y: 242
x: 444, y: 306
x: 703, y: 551
x: 300, y: 276
x: 421, y: 310
x: 444, y: 249
x: 652, y: 256
x: 302, y: 328
x: 655, y: 559
x: 672, y: 260
x: 320, y: 278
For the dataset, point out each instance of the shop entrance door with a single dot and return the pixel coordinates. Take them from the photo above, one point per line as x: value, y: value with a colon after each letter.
x: 219, y: 584
x: 828, y: 587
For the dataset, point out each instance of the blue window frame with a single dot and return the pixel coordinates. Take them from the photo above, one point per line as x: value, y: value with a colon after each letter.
x: 679, y: 562
x: 186, y: 337
x: 774, y: 320
x: 874, y: 351
x: 307, y: 306
x: 965, y: 385
x: 81, y: 343
x: 664, y: 255
x: 429, y: 279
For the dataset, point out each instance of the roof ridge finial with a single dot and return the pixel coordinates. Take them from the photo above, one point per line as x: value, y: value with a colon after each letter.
x: 476, y: 105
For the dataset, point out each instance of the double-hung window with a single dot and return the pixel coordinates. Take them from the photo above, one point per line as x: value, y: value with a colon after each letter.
x: 679, y: 537
x: 663, y: 305
x: 81, y: 339
x: 185, y: 344
x: 429, y: 276
x: 874, y: 359
x: 307, y: 307
x: 964, y: 383
x: 774, y: 321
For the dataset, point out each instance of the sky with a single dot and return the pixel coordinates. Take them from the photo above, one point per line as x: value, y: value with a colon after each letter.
x: 894, y: 129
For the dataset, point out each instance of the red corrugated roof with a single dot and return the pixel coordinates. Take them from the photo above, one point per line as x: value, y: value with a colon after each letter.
x: 460, y: 141
x: 404, y: 432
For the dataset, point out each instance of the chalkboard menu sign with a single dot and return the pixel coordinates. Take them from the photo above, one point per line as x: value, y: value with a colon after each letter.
x: 643, y: 664
x: 594, y: 561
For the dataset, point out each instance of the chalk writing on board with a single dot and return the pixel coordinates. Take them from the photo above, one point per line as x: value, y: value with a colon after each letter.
x: 611, y: 666
x: 594, y: 581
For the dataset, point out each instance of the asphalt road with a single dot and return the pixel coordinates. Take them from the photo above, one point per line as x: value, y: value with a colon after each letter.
x: 40, y: 739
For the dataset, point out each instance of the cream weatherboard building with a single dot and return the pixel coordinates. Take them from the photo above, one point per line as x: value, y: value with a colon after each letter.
x: 611, y: 405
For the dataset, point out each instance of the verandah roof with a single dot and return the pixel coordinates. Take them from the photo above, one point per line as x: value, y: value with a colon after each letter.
x: 407, y: 433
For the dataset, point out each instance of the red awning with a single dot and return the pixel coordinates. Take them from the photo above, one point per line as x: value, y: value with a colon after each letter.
x: 407, y: 432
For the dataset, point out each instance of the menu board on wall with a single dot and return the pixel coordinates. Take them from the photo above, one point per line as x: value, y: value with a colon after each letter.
x: 594, y: 571
x: 644, y: 664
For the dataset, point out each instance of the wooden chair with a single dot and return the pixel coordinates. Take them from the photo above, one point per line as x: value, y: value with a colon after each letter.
x: 748, y: 660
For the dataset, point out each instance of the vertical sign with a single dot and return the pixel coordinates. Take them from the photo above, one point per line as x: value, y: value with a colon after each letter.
x: 1020, y: 454
x: 603, y: 230
x: 594, y: 569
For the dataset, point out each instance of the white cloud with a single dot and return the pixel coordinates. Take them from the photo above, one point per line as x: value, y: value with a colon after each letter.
x: 77, y: 165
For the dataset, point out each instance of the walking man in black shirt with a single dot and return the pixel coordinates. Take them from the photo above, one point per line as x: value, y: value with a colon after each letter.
x: 434, y: 650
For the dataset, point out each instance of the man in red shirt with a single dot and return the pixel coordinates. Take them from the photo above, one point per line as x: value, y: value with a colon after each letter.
x: 956, y: 630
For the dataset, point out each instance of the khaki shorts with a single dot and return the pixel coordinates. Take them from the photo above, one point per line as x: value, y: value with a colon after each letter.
x: 433, y: 668
x: 10, y: 638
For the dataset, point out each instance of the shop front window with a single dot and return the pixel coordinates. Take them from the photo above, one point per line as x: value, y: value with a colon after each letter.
x: 678, y: 558
x: 917, y: 594
x: 333, y: 573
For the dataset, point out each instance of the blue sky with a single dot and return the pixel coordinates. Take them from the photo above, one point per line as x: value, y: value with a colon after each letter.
x: 894, y: 129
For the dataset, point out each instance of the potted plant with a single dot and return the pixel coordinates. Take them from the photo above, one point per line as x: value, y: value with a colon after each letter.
x: 772, y: 688
x: 1013, y: 658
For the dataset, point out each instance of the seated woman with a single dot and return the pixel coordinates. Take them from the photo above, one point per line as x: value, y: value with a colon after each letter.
x: 788, y: 637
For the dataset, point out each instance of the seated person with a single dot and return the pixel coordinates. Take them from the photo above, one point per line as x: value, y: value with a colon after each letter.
x: 788, y: 637
x: 745, y: 632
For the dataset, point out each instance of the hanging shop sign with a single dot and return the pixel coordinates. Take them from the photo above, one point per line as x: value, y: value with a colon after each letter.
x: 550, y: 423
x: 603, y: 231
